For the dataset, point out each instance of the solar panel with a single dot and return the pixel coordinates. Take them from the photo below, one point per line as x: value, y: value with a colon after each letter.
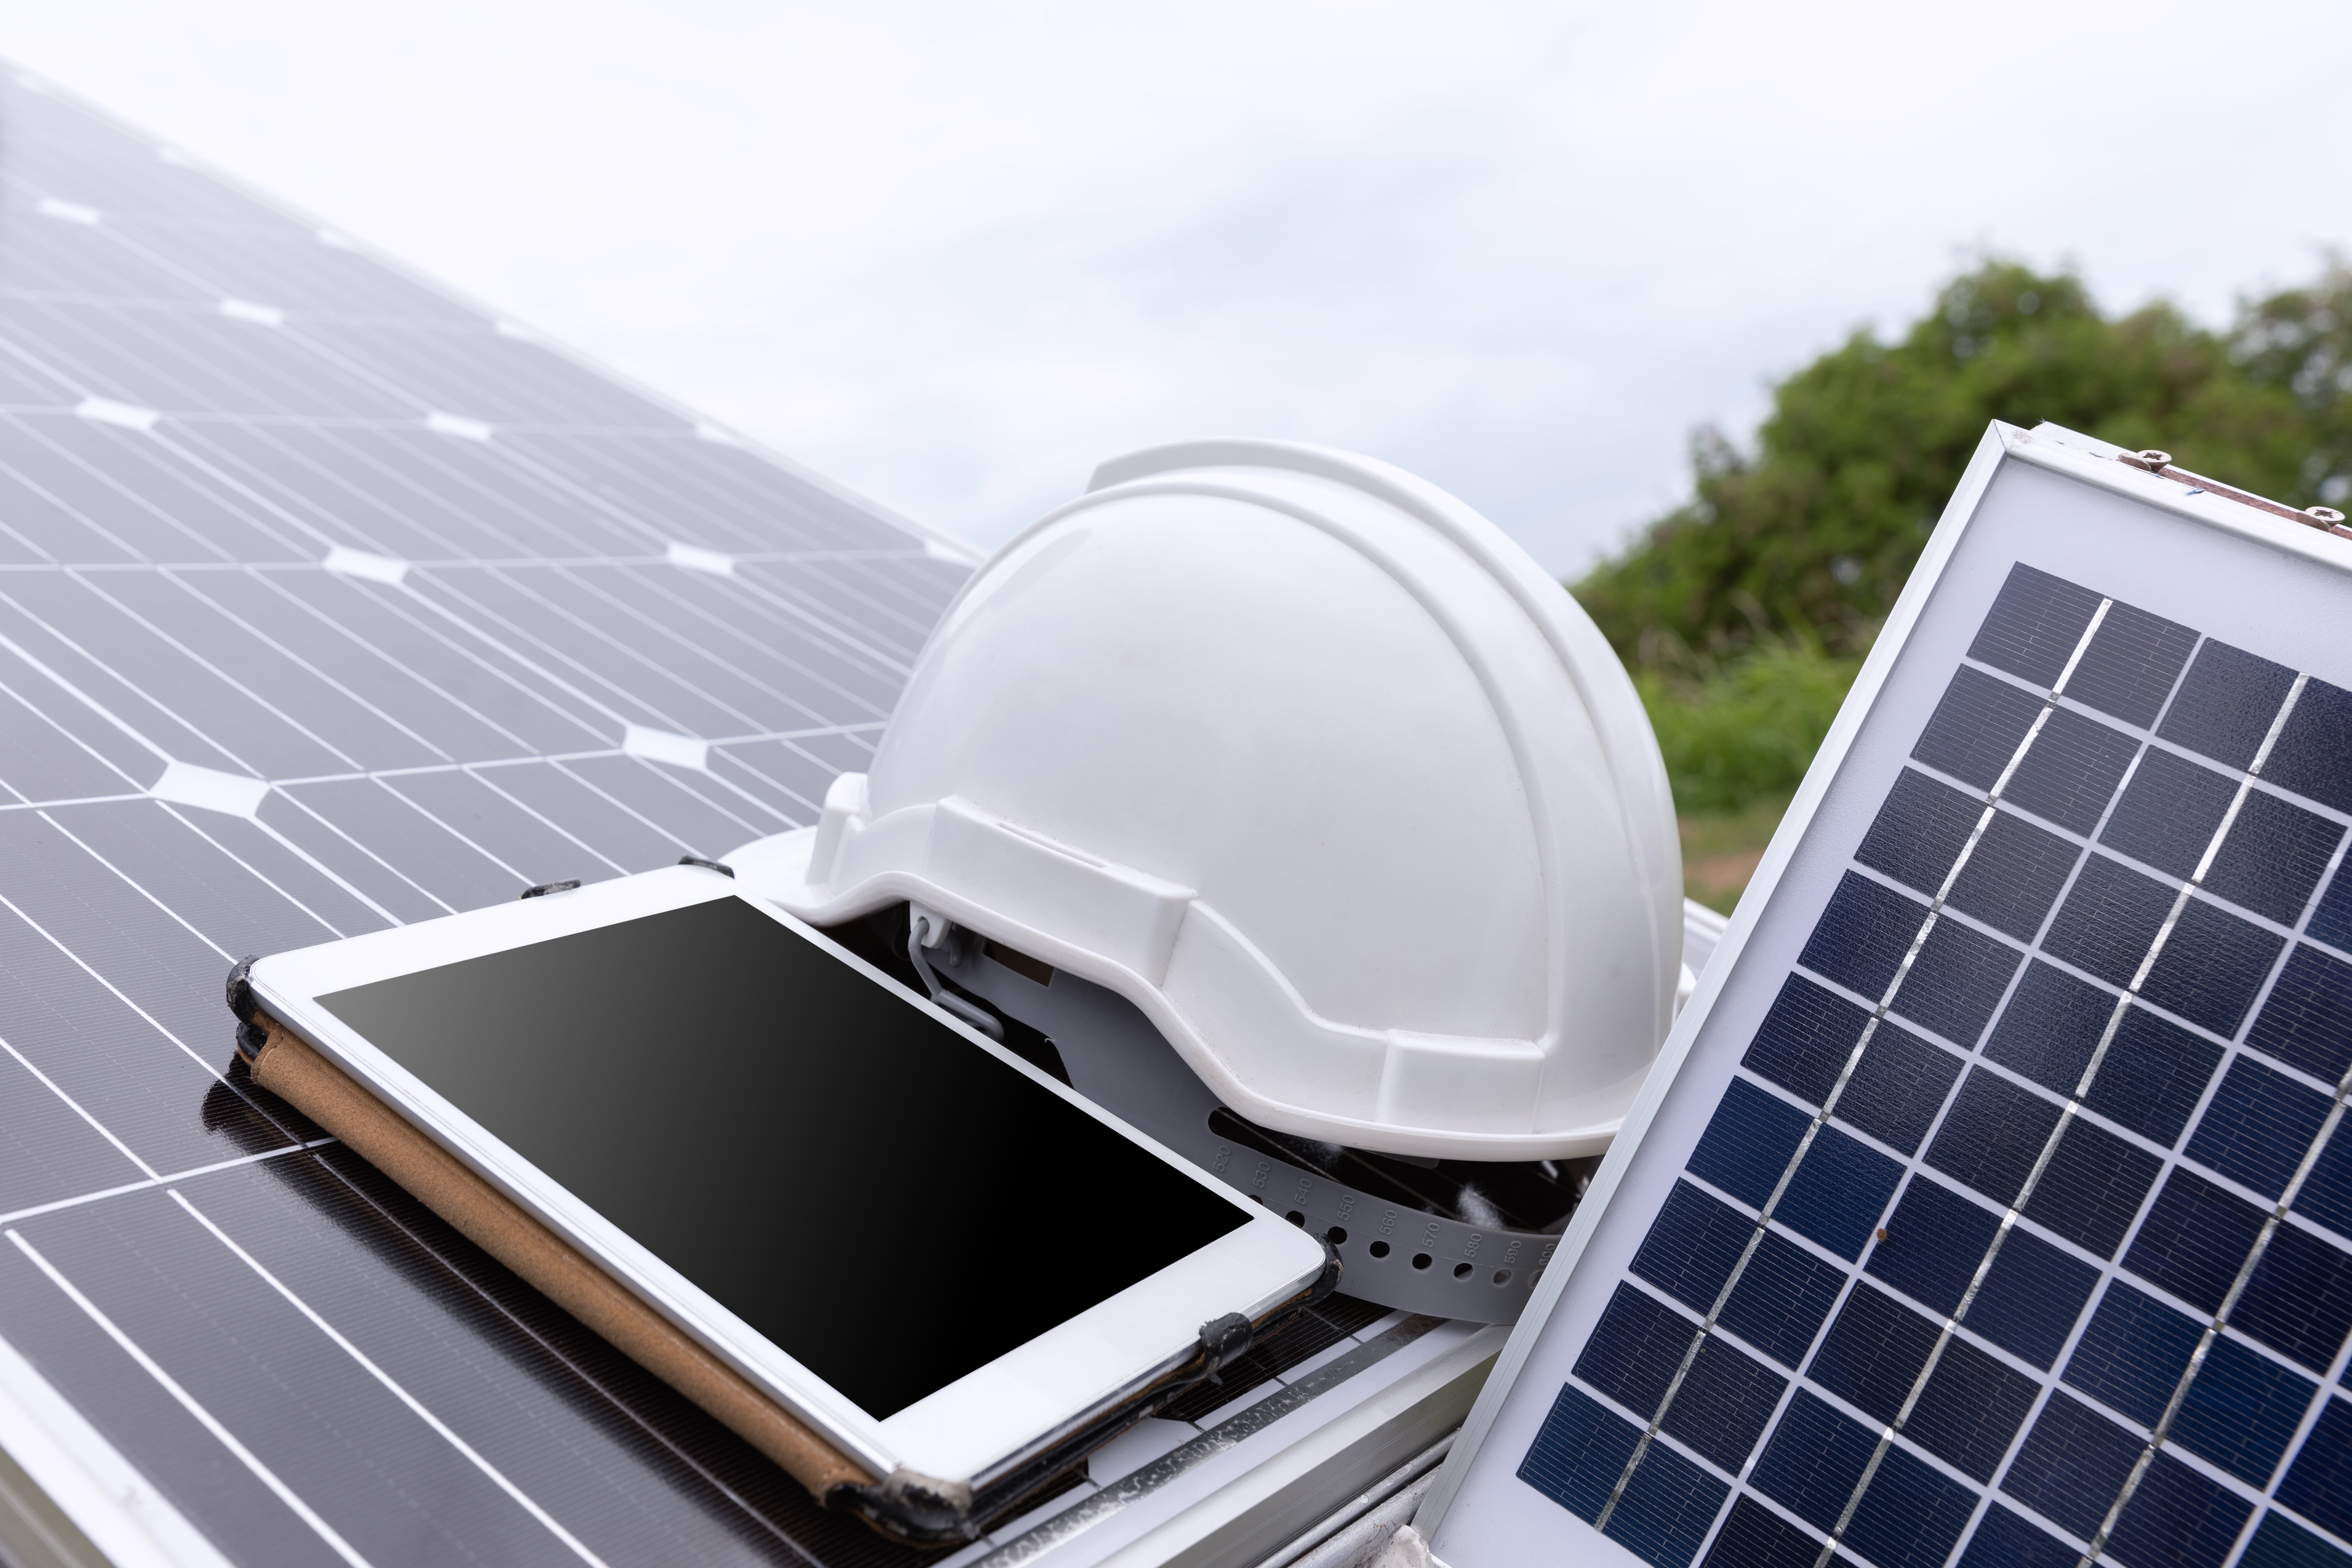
x: 1997, y: 1207
x: 326, y: 602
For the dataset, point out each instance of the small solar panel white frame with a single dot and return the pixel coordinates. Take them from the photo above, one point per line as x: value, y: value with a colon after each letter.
x: 1461, y: 1538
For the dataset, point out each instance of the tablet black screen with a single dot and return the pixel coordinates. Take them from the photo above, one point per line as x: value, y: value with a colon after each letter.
x: 889, y: 1203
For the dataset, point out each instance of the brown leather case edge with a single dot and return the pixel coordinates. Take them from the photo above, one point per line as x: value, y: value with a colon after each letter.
x: 288, y: 1068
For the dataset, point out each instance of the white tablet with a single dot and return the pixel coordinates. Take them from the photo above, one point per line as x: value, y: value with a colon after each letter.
x: 933, y: 1254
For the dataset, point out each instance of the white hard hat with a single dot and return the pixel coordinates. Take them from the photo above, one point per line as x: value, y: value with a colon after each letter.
x: 1312, y: 763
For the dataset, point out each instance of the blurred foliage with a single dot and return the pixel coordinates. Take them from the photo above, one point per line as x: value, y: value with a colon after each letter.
x: 1811, y: 534
x: 1744, y: 613
x: 1748, y: 728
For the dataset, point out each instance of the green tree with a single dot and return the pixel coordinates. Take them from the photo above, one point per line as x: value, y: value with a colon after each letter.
x: 1745, y: 611
x: 1811, y: 536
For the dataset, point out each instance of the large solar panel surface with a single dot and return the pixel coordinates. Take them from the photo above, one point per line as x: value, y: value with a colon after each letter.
x: 2007, y: 1218
x: 328, y: 601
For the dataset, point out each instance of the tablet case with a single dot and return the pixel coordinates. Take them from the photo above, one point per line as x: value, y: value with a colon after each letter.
x: 905, y: 1505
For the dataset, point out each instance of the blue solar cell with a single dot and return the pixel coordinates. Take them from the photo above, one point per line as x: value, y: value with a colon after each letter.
x: 2279, y: 1543
x: 2072, y: 1466
x: 1919, y: 831
x: 1692, y: 1247
x: 2211, y: 967
x: 2153, y: 1076
x: 1912, y: 1515
x: 2331, y: 923
x: 2258, y: 1127
x: 1976, y: 728
x: 2132, y: 1352
x: 2318, y: 1485
x: 2326, y: 1194
x: 2131, y: 664
x: 1957, y: 981
x: 2092, y: 1187
x: 1863, y: 934
x: 1898, y: 1087
x: 2313, y: 754
x: 2241, y: 1411
x: 2242, y: 1407
x: 2179, y: 1515
x: 2226, y: 703
x: 1839, y: 1193
x: 2169, y: 813
x: 2272, y: 857
x: 1578, y: 1453
x: 1635, y: 1350
x: 1747, y: 1143
x: 2109, y: 919
x: 2033, y: 625
x: 1666, y: 1509
x: 2195, y: 1240
x: 2013, y: 876
x: 1813, y: 1460
x: 1992, y: 1135
x: 1805, y: 1040
x: 1935, y: 1239
x: 2072, y: 771
x: 2051, y: 1027
x: 2307, y: 1022
x: 2299, y: 1301
x: 1874, y: 1353
x: 2031, y: 1297
x: 1724, y: 1403
x: 1756, y: 1537
x: 2005, y: 1541
x: 1782, y: 1297
x: 1971, y: 1407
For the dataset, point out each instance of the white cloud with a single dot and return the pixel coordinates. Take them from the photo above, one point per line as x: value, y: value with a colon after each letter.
x: 955, y: 255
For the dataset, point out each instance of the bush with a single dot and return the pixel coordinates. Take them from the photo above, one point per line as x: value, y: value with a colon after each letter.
x: 1747, y: 730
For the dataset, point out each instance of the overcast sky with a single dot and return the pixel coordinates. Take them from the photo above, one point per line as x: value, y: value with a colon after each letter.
x: 954, y: 255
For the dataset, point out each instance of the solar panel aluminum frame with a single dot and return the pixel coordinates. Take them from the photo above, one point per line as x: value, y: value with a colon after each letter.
x: 1455, y: 1540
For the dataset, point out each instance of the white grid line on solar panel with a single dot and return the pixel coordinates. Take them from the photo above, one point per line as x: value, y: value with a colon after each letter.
x: 108, y: 352
x: 2149, y: 742
x: 861, y: 570
x: 554, y: 479
x: 1927, y: 1141
x: 732, y: 788
x: 709, y: 621
x: 179, y: 815
x: 207, y: 361
x: 306, y: 563
x: 2035, y: 954
x: 43, y: 430
x: 2049, y: 1147
x: 148, y: 1183
x: 475, y: 770
x: 2123, y: 1248
x: 556, y: 1353
x: 188, y: 1402
x: 582, y: 655
x: 855, y: 647
x: 74, y: 259
x: 116, y: 991
x: 1738, y: 1479
x: 69, y: 956
x: 343, y: 1342
x: 611, y: 714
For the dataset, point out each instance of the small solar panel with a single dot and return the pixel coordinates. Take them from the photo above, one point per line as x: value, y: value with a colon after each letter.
x: 1991, y: 1205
